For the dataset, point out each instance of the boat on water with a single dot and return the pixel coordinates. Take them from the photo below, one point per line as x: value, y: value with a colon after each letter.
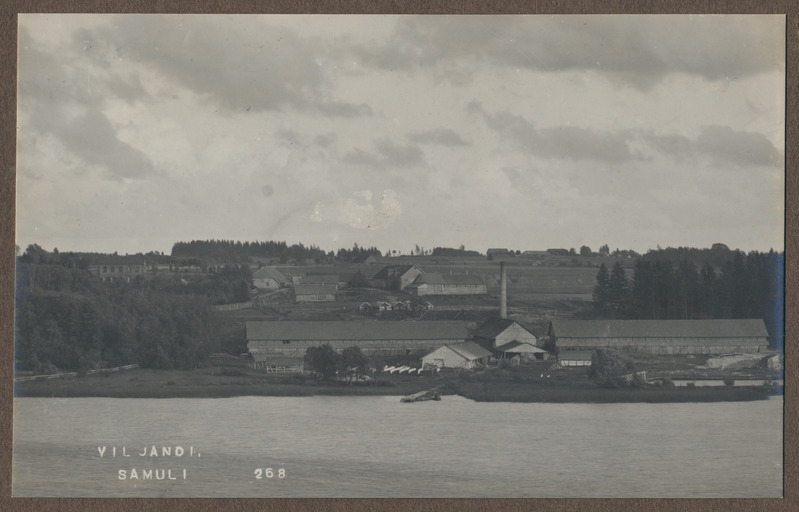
x: 422, y: 396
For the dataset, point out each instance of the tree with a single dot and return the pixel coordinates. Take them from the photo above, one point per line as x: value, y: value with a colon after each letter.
x: 359, y: 280
x: 604, y: 250
x: 618, y: 291
x: 608, y: 369
x: 353, y: 362
x: 585, y: 250
x: 323, y: 361
x: 600, y: 296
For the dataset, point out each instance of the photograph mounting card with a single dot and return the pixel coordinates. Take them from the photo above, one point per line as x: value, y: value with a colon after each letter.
x: 399, y: 256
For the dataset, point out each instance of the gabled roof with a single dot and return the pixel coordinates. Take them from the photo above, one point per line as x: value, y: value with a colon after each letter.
x: 357, y: 330
x: 367, y: 258
x: 450, y: 279
x: 393, y: 270
x: 734, y: 328
x: 269, y: 273
x: 520, y: 348
x: 315, y: 289
x: 493, y: 327
x: 469, y: 350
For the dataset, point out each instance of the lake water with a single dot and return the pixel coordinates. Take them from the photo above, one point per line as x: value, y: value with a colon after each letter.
x: 378, y: 447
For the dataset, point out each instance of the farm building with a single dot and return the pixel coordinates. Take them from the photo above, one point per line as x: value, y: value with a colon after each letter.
x: 118, y: 268
x: 498, y: 253
x: 507, y: 338
x: 395, y: 277
x: 292, y: 338
x: 575, y: 358
x: 457, y: 355
x: 268, y: 278
x: 315, y: 293
x: 447, y: 284
x: 369, y: 259
x: 660, y: 336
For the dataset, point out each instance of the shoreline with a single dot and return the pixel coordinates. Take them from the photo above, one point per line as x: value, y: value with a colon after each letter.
x: 224, y: 383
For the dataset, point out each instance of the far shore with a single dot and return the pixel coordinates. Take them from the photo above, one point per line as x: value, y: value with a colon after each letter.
x: 220, y: 382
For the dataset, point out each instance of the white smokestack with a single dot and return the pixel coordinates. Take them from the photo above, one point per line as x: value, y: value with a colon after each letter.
x: 503, y: 291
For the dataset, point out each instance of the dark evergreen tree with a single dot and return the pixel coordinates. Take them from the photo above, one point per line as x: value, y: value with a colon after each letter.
x: 618, y: 292
x: 323, y: 361
x: 601, y: 296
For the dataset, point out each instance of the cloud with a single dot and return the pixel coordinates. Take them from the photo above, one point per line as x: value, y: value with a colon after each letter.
x: 720, y: 144
x: 639, y: 50
x: 239, y: 64
x: 743, y: 148
x: 338, y: 109
x: 440, y: 136
x: 63, y: 97
x: 361, y: 157
x: 93, y: 138
x: 389, y: 155
x: 397, y: 155
x: 561, y: 142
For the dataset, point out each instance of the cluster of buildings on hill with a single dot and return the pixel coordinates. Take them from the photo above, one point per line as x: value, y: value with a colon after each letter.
x: 404, y: 278
x: 280, y: 346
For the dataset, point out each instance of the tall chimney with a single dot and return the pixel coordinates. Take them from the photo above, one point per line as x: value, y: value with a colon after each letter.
x: 503, y: 291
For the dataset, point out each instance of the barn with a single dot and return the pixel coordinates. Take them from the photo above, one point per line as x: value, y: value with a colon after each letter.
x: 660, y: 336
x: 292, y: 338
x: 268, y: 278
x: 457, y: 355
x: 395, y: 277
x: 508, y: 338
x: 447, y: 284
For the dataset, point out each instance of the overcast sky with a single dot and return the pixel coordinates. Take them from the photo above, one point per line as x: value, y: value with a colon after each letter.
x: 527, y: 132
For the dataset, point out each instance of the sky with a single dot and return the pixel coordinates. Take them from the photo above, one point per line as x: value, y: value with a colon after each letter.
x: 526, y: 132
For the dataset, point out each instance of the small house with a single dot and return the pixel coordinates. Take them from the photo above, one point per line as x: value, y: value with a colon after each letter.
x: 457, y: 355
x: 268, y: 278
x: 507, y: 338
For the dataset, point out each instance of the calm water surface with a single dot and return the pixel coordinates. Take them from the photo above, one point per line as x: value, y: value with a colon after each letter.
x: 377, y: 447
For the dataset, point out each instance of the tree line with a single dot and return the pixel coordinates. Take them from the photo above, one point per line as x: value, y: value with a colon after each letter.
x: 241, y: 252
x: 67, y: 320
x: 744, y: 286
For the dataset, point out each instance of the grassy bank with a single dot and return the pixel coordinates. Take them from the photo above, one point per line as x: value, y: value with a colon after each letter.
x: 501, y: 386
x: 510, y: 392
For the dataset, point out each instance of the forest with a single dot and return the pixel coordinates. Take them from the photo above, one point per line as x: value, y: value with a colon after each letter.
x: 67, y: 320
x: 688, y: 283
x: 229, y: 251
